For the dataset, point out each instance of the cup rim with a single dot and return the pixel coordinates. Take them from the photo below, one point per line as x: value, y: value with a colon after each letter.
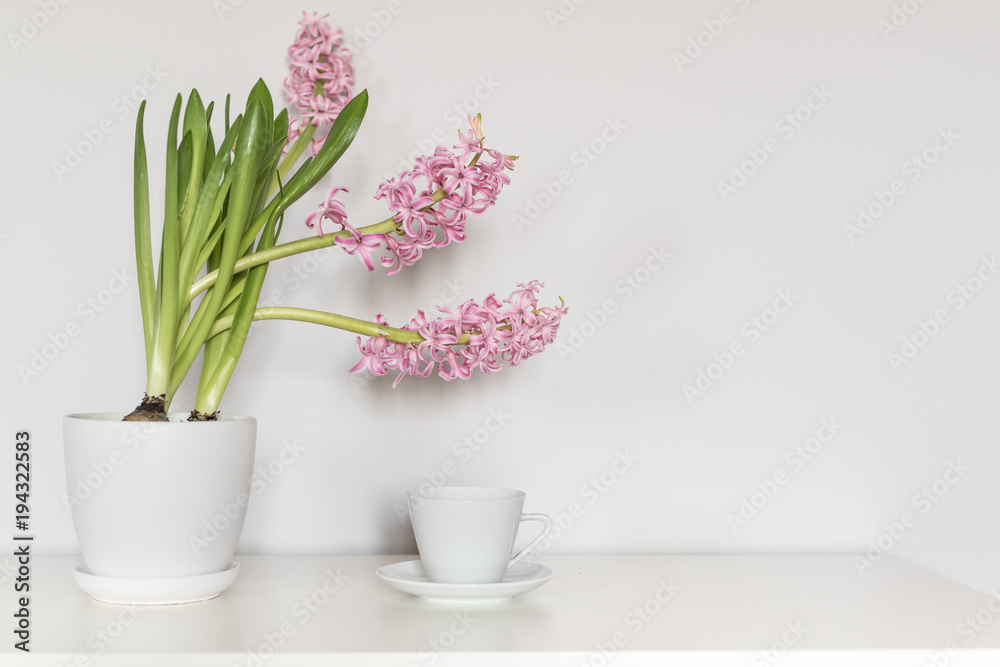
x: 483, y: 494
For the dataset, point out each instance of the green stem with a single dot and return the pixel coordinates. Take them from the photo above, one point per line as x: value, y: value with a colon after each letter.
x: 286, y: 250
x: 282, y: 250
x: 363, y: 327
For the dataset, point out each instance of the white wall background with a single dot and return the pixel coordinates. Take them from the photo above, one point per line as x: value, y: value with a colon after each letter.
x: 616, y: 388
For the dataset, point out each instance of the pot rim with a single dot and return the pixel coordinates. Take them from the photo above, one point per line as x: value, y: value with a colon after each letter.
x: 175, y: 418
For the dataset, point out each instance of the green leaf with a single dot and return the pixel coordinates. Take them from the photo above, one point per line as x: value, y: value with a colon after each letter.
x: 281, y: 218
x: 260, y: 93
x: 219, y: 226
x: 214, y: 347
x: 205, y: 212
x: 209, y: 139
x: 184, y: 158
x: 268, y: 171
x: 210, y: 392
x: 143, y: 242
x: 281, y: 126
x: 196, y: 122
x: 239, y: 281
x: 345, y: 128
x: 167, y: 301
x: 251, y: 143
x: 250, y: 147
x: 337, y: 141
x: 196, y: 126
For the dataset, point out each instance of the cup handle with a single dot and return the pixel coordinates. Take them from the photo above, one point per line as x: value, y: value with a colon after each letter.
x: 535, y: 542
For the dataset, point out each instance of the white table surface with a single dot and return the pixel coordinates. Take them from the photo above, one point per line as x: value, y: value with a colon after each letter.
x: 725, y: 610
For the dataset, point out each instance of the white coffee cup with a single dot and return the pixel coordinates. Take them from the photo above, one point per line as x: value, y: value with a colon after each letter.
x: 465, y: 534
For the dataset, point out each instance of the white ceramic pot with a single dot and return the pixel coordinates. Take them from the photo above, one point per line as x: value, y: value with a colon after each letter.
x: 158, y: 499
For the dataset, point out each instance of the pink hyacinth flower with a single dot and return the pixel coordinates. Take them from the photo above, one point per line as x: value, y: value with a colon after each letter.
x: 321, y: 77
x: 332, y: 209
x: 494, y: 332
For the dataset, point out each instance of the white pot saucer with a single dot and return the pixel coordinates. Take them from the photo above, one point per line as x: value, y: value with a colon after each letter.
x: 409, y: 577
x: 169, y: 590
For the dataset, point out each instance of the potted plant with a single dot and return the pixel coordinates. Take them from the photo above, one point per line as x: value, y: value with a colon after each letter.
x: 155, y: 477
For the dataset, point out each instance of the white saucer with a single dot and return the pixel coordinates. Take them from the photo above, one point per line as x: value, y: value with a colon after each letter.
x: 172, y: 590
x: 409, y: 577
